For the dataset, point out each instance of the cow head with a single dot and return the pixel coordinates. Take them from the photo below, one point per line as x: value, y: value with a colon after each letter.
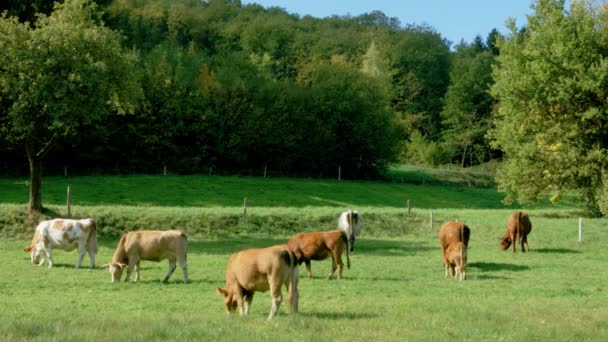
x: 115, y: 269
x: 229, y: 300
x: 505, y: 242
x: 34, y: 254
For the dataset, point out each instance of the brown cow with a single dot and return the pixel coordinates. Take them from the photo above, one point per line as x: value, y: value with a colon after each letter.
x: 456, y: 255
x: 518, y: 228
x: 319, y: 246
x: 454, y: 241
x: 152, y: 245
x: 260, y: 269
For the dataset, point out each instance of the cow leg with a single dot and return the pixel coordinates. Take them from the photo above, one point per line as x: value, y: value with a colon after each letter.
x: 525, y: 240
x: 91, y: 252
x: 513, y: 241
x: 171, y: 269
x: 308, y: 269
x: 82, y: 250
x: 133, y: 260
x: 292, y: 290
x: 275, y: 288
x: 49, y: 255
x: 248, y: 300
x: 184, y: 265
x: 333, y: 269
x: 137, y: 268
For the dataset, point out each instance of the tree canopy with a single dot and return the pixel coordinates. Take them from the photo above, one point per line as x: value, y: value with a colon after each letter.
x: 66, y: 71
x: 551, y: 86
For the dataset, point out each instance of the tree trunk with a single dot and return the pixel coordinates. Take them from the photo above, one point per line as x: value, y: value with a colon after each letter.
x: 35, y: 201
x: 464, y: 154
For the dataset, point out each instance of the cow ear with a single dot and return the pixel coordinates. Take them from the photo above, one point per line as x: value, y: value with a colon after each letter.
x: 221, y: 291
x: 103, y: 266
x: 121, y: 265
x: 28, y: 249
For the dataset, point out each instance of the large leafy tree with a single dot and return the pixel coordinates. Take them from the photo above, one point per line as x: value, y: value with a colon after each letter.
x: 468, y: 104
x: 551, y: 82
x: 65, y: 71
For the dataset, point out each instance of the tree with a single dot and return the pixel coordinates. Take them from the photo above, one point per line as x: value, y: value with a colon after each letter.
x: 552, y: 124
x: 468, y: 103
x: 65, y: 71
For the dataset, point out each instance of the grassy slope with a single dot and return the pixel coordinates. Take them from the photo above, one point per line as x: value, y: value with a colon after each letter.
x: 395, y: 290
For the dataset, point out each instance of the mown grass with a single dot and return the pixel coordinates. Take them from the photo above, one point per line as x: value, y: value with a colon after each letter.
x: 395, y: 290
x: 222, y: 191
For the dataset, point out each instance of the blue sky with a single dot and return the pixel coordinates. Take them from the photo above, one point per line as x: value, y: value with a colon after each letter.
x: 453, y: 19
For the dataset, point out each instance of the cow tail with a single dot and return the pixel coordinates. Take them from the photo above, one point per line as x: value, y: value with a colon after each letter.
x: 93, y: 237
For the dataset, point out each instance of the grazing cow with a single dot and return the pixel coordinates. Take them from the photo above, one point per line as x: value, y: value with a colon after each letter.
x: 454, y: 240
x: 518, y: 228
x: 456, y: 256
x: 152, y: 245
x: 319, y: 246
x: 350, y: 222
x: 260, y: 269
x: 65, y: 234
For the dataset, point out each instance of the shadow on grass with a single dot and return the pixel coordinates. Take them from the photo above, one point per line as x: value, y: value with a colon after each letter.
x: 388, y: 247
x: 487, y: 277
x: 338, y: 315
x: 498, y: 266
x: 556, y: 250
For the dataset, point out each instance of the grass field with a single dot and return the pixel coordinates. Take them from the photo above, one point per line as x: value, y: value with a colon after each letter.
x: 394, y: 291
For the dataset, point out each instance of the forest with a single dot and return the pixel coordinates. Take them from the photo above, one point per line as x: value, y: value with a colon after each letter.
x: 238, y: 87
x: 221, y: 87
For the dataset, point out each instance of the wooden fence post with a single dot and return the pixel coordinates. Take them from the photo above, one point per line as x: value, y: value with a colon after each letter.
x: 265, y: 167
x: 244, y: 206
x: 165, y: 170
x: 580, y: 229
x: 69, y: 201
x: 408, y: 208
x: 340, y: 172
x: 65, y: 170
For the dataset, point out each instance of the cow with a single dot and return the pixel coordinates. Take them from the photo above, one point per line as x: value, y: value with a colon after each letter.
x: 151, y: 245
x: 65, y: 234
x: 319, y: 246
x: 260, y: 269
x: 518, y: 228
x: 454, y: 241
x: 350, y: 222
x: 456, y: 256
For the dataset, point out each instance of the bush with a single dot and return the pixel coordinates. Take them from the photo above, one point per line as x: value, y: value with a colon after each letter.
x: 419, y: 150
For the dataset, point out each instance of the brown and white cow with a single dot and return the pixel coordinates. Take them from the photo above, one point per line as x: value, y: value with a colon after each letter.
x: 260, y: 269
x: 151, y: 245
x: 454, y: 240
x: 65, y: 234
x: 518, y: 228
x: 319, y: 246
x: 351, y: 223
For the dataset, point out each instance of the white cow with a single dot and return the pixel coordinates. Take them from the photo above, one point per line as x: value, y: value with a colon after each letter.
x: 65, y: 234
x: 350, y: 222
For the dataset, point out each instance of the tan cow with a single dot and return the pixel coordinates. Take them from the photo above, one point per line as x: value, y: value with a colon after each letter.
x: 152, y: 245
x: 351, y: 223
x: 65, y: 234
x: 260, y: 269
x: 454, y: 240
x: 518, y: 228
x: 320, y: 246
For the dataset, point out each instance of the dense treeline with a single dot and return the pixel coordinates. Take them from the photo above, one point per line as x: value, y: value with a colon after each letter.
x: 237, y: 88
x: 224, y: 87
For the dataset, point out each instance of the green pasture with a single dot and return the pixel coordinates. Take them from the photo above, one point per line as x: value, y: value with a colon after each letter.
x: 394, y: 291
